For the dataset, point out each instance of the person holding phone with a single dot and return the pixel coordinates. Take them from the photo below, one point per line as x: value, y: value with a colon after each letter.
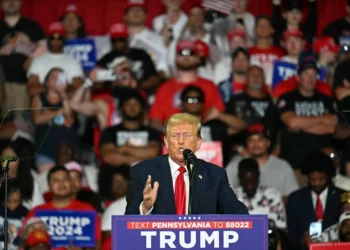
x: 309, y: 204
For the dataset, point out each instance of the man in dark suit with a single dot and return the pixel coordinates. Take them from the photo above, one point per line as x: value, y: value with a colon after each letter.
x: 319, y: 201
x: 162, y: 186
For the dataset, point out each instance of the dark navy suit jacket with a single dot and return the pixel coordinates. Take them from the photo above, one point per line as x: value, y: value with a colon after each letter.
x: 300, y: 212
x: 212, y: 193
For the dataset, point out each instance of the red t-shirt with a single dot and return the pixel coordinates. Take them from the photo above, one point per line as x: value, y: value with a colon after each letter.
x: 74, y: 205
x: 167, y: 100
x: 292, y: 83
x: 266, y: 56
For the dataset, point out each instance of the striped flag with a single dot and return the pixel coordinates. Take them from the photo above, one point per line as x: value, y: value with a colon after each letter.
x: 223, y: 6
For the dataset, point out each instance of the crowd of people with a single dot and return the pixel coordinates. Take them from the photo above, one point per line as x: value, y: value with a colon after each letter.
x: 77, y: 132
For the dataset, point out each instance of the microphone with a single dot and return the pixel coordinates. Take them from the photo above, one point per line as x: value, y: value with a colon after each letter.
x: 190, y: 159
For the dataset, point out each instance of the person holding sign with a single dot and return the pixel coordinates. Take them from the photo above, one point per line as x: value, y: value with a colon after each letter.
x: 154, y: 182
x: 60, y: 185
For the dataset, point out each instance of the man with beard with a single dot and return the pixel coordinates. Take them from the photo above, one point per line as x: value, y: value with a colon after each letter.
x: 60, y: 185
x: 319, y: 201
x: 274, y: 172
x: 259, y: 199
x: 129, y: 142
x: 167, y: 100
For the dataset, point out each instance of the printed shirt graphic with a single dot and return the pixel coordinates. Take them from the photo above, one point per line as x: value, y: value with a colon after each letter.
x: 265, y: 201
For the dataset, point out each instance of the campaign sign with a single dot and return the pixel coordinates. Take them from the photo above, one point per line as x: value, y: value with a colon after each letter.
x: 239, y: 232
x: 68, y: 226
x: 330, y: 246
x: 284, y: 70
x: 83, y: 50
x: 210, y: 152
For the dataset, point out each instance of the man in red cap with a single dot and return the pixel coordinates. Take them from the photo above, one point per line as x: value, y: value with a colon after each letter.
x: 141, y: 37
x: 167, y: 101
x: 38, y: 240
x: 54, y: 58
x: 16, y: 30
x: 141, y: 63
x: 293, y: 43
x: 205, y: 68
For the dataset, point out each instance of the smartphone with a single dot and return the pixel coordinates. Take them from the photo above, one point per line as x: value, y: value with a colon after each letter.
x: 106, y: 75
x: 315, y: 229
x: 61, y: 79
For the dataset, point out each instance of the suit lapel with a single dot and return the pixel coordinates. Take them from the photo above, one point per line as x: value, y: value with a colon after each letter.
x: 199, y: 182
x: 310, y: 207
x: 166, y: 186
x: 331, y: 203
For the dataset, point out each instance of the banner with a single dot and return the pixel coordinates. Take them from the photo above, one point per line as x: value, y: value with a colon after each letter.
x: 209, y: 151
x: 239, y: 232
x: 83, y: 50
x: 65, y: 226
x: 284, y: 70
x: 330, y: 246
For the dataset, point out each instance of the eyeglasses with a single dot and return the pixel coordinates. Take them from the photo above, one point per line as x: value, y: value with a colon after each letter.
x: 193, y: 100
x: 123, y: 77
x: 186, y: 52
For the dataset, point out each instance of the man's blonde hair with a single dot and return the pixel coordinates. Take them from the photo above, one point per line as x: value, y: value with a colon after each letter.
x: 183, y: 118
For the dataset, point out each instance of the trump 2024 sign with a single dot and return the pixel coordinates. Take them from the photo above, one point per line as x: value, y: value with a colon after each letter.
x: 239, y: 232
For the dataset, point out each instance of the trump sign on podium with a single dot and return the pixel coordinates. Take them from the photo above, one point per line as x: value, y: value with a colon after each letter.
x: 239, y: 232
x: 66, y: 226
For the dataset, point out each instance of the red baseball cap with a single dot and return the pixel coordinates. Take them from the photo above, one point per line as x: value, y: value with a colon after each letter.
x: 185, y: 44
x: 135, y: 3
x: 201, y: 48
x: 237, y: 32
x: 325, y: 44
x: 56, y: 28
x: 118, y: 30
x: 292, y: 32
x: 36, y: 237
x: 72, y: 8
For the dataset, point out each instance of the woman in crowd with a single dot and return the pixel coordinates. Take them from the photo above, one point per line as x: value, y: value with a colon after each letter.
x: 23, y: 171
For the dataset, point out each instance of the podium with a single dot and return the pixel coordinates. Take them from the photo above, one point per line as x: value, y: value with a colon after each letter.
x: 239, y: 232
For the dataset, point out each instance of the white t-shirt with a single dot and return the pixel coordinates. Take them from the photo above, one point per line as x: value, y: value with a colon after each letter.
x: 153, y: 44
x: 276, y: 173
x: 42, y: 65
x: 116, y: 208
x: 159, y: 22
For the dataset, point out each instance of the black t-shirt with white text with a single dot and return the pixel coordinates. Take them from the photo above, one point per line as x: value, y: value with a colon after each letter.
x: 119, y: 136
x: 295, y: 145
x: 252, y: 111
x: 141, y: 63
x: 13, y: 64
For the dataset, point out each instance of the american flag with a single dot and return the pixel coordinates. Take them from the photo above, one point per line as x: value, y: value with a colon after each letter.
x: 223, y: 6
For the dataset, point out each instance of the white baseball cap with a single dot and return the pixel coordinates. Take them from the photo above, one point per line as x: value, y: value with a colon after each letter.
x: 343, y: 217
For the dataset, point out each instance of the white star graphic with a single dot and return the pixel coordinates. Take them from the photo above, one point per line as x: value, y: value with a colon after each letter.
x: 185, y: 218
x: 194, y: 218
x: 180, y: 218
x: 198, y: 218
x: 189, y: 218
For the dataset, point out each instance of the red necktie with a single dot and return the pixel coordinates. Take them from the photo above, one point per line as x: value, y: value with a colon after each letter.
x: 180, y: 192
x: 319, y: 209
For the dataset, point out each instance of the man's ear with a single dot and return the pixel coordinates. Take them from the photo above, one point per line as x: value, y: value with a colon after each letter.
x: 199, y: 143
x: 166, y: 141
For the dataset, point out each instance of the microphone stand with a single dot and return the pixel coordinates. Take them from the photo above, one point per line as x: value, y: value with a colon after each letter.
x: 190, y: 168
x: 5, y: 168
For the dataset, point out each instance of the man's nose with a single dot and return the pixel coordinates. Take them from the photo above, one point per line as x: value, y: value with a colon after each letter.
x: 181, y: 139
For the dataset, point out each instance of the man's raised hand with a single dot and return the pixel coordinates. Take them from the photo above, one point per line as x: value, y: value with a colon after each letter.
x: 149, y: 195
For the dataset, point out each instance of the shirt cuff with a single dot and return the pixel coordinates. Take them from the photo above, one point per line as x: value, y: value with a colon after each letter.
x: 150, y: 211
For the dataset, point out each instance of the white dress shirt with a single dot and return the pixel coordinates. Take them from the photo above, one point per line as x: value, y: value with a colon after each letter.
x: 174, y: 173
x: 160, y: 21
x: 323, y: 198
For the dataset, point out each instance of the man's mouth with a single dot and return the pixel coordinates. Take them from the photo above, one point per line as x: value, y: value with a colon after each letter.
x: 181, y: 150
